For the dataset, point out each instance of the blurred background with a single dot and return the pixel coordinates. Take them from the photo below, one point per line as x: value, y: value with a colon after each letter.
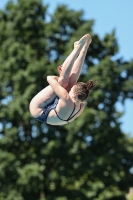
x: 91, y: 158
x: 107, y: 16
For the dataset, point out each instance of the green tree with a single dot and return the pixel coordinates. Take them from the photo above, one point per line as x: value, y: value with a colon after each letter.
x: 88, y: 159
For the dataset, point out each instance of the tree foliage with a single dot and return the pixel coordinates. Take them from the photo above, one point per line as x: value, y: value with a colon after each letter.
x: 88, y: 159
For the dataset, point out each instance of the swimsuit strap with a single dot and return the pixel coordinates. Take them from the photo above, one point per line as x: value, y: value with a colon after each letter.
x: 58, y: 116
x: 69, y: 118
x: 74, y: 114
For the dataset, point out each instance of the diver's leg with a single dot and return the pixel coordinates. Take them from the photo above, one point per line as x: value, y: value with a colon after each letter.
x: 78, y: 64
x: 67, y: 66
x: 42, y: 99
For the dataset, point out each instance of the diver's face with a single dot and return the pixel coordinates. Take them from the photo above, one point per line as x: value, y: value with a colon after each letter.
x: 73, y: 95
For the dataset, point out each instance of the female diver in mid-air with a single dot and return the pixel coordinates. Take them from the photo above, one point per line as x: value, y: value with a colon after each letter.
x: 64, y: 99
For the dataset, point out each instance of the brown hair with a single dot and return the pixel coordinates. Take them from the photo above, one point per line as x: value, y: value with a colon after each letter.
x: 82, y: 89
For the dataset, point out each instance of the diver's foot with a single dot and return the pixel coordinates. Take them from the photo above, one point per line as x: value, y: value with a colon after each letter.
x: 89, y: 39
x: 79, y: 44
x: 87, y: 43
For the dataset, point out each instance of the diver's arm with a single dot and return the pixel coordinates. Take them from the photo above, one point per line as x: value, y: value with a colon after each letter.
x: 58, y: 89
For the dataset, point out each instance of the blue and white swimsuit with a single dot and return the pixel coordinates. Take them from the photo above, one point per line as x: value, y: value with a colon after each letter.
x: 48, y: 108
